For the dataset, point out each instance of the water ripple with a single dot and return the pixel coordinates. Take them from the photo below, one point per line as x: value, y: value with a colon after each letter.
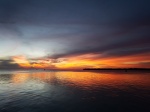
x: 74, y: 91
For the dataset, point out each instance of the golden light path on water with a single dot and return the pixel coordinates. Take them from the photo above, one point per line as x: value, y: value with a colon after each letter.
x: 85, y: 80
x: 46, y: 91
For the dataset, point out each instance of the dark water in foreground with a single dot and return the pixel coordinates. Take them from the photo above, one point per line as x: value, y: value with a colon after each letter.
x: 74, y: 92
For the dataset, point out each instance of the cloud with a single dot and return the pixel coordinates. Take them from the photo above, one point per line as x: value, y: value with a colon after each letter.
x: 130, y: 43
x: 8, y: 64
x: 60, y: 29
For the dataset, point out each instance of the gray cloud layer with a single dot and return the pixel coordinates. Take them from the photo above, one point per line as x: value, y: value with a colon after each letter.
x: 59, y: 28
x: 8, y: 64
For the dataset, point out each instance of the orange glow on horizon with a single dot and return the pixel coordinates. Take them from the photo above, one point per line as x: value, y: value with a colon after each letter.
x: 21, y: 61
x: 87, y: 61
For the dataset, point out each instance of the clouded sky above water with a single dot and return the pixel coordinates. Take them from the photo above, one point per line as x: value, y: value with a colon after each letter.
x: 74, y: 34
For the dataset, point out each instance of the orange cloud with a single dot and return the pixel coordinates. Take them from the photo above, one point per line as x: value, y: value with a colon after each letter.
x: 85, y: 61
x: 92, y: 60
x: 21, y: 61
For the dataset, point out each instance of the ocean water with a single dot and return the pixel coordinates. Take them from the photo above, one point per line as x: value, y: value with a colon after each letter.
x: 64, y: 91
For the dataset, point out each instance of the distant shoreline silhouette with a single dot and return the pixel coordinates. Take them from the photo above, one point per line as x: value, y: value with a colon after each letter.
x: 116, y: 69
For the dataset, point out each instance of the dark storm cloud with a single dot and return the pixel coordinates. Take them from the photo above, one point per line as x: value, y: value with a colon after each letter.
x: 119, y: 44
x: 72, y: 11
x: 8, y: 64
x: 109, y: 28
x: 42, y: 11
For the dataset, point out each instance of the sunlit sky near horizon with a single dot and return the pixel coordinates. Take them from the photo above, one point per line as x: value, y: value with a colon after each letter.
x: 74, y: 34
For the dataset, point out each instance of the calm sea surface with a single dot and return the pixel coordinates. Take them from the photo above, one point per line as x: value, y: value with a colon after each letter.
x: 45, y: 91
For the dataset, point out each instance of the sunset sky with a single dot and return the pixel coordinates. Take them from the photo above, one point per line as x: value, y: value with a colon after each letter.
x: 74, y: 34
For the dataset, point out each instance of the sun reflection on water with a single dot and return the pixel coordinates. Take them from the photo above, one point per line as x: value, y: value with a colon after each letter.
x: 84, y: 79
